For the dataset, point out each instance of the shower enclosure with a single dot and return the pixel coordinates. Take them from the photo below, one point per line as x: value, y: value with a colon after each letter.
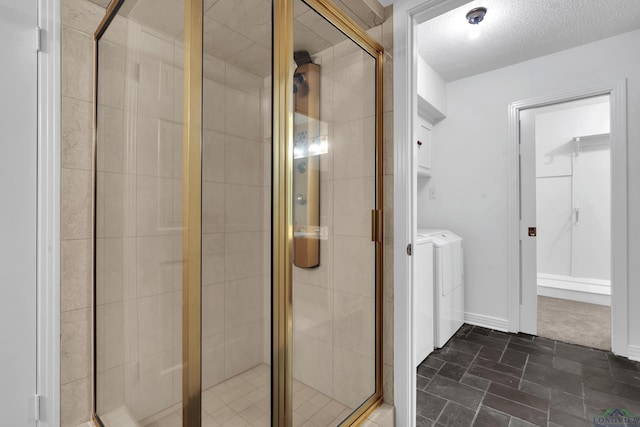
x: 231, y: 135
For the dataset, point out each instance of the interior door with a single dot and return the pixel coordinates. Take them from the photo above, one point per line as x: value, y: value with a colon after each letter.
x: 528, y: 258
x: 18, y: 150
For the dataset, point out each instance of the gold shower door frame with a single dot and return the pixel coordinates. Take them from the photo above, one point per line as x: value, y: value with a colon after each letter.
x: 282, y: 205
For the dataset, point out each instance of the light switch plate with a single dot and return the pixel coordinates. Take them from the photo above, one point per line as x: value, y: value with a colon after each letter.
x: 432, y: 192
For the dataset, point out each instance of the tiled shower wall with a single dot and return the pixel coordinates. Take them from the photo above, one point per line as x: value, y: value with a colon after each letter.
x: 80, y: 18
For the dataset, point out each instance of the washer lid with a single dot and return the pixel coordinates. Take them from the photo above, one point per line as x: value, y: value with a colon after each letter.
x: 426, y: 234
x: 439, y: 237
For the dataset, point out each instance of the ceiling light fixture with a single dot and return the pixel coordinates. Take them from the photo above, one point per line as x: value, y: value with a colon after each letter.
x: 475, y: 16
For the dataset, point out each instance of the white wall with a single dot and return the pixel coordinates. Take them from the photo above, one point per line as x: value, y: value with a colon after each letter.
x: 470, y: 168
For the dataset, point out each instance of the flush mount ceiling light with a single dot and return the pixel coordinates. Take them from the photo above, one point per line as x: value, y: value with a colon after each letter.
x: 475, y: 16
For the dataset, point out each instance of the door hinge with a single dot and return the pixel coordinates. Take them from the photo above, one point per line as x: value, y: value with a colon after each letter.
x: 409, y: 250
x: 36, y: 407
x: 38, y: 39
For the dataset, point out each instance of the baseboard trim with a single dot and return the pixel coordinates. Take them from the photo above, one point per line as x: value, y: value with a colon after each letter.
x: 588, y: 297
x: 633, y: 352
x: 487, y: 321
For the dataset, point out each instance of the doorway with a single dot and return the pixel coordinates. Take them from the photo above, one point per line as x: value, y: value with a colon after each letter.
x: 571, y: 181
x: 523, y: 239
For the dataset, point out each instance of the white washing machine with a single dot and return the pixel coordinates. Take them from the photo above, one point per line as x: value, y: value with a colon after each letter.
x: 448, y: 283
x: 423, y: 331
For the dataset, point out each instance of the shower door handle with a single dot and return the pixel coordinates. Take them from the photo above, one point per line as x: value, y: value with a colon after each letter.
x: 576, y: 212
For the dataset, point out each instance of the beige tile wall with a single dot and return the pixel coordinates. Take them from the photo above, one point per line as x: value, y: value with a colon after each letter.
x: 79, y: 19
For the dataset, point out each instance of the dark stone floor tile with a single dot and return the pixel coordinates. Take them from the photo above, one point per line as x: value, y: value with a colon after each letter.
x: 451, y: 371
x: 567, y: 403
x: 596, y: 371
x: 490, y: 353
x: 465, y: 329
x: 422, y: 382
x: 553, y: 378
x: 603, y: 400
x: 623, y: 363
x: 515, y: 409
x: 454, y: 356
x: 567, y: 420
x: 432, y: 363
x: 496, y: 377
x: 519, y: 396
x: 517, y: 422
x: 423, y: 422
x: 498, y: 367
x: 594, y: 413
x: 614, y: 388
x: 428, y: 405
x: 584, y: 355
x: 513, y: 358
x: 530, y: 349
x: 474, y: 381
x: 452, y: 390
x: 500, y: 335
x: 541, y: 359
x: 535, y: 389
x: 426, y: 371
x: 570, y: 366
x: 465, y: 346
x: 486, y: 341
x: 488, y: 417
x: 479, y: 330
x: 455, y: 415
x: 493, y: 379
x: 626, y: 376
x: 522, y: 337
x: 546, y: 342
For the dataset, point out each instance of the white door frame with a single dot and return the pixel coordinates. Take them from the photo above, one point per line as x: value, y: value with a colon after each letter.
x: 406, y: 15
x: 617, y: 90
x: 48, y: 214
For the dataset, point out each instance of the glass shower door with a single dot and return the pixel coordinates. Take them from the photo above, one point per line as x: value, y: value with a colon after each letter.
x: 334, y: 193
x: 138, y: 223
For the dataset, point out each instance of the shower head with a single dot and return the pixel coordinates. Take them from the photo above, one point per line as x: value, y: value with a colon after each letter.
x: 302, y: 57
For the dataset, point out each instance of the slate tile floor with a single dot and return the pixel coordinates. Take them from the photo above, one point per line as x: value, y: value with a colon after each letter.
x: 491, y: 379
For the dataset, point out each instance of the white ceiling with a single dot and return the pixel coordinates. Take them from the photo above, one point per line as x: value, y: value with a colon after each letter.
x: 517, y: 30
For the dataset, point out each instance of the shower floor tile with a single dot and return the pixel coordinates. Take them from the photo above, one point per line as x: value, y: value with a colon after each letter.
x: 245, y: 400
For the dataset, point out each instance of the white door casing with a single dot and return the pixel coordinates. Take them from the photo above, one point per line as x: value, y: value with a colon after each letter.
x: 518, y: 303
x: 406, y: 15
x: 18, y: 189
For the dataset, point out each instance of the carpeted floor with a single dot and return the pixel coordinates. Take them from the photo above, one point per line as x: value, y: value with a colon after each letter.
x: 575, y: 322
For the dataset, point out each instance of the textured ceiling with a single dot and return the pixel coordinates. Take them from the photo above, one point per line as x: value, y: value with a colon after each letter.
x: 517, y: 30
